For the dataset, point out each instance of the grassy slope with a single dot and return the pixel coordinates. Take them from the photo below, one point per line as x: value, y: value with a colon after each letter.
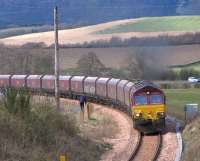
x: 177, y: 98
x: 195, y: 66
x: 158, y: 24
x: 191, y: 136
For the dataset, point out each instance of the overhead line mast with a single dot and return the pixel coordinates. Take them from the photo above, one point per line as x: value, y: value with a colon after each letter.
x: 57, y: 92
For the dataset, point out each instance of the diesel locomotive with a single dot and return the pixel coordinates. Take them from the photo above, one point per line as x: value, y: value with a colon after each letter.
x: 143, y: 100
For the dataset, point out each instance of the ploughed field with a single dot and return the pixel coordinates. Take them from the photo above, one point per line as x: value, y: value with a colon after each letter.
x: 110, y: 57
x: 117, y: 57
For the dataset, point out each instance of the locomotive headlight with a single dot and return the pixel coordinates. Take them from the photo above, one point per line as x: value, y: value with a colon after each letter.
x: 137, y: 114
x: 161, y: 114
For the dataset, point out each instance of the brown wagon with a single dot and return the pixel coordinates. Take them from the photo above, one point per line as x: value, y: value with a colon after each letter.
x: 5, y: 80
x: 90, y: 85
x: 48, y: 82
x: 77, y: 84
x: 112, y: 88
x: 120, y: 91
x: 34, y: 82
x: 64, y: 83
x: 101, y: 87
x: 127, y: 93
x: 18, y: 81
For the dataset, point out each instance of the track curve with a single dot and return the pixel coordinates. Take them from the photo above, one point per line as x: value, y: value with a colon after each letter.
x: 148, y: 148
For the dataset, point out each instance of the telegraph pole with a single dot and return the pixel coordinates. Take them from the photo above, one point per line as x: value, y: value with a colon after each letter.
x: 57, y: 93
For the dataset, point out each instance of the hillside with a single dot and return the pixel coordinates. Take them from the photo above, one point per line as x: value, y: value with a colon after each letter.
x: 77, y: 12
x: 158, y: 24
x: 141, y: 28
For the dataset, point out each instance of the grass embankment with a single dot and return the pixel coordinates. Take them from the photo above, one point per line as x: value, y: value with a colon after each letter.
x: 38, y: 132
x: 192, y: 66
x: 191, y: 135
x: 157, y: 24
x: 177, y: 98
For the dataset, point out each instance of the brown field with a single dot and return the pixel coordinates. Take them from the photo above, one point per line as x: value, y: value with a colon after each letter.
x: 116, y: 57
x: 85, y: 34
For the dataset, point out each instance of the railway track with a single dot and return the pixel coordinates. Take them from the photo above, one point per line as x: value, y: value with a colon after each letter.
x: 148, y: 148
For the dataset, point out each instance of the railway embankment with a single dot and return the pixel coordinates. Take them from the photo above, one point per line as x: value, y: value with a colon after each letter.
x: 191, y: 135
x: 37, y: 131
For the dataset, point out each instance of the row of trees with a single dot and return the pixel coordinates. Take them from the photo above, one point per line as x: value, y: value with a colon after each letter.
x: 25, y: 61
x: 138, y: 66
x: 187, y: 38
x: 141, y: 65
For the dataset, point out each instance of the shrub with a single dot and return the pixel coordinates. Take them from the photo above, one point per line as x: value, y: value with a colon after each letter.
x: 17, y: 101
x: 9, y: 99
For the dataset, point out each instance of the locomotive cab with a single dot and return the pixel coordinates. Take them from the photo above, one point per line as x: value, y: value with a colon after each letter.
x: 148, y: 107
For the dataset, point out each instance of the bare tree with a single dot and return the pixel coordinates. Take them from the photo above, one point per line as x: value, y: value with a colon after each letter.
x: 90, y: 64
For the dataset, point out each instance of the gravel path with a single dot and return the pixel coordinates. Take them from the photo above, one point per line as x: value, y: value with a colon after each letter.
x: 168, y: 152
x: 125, y: 141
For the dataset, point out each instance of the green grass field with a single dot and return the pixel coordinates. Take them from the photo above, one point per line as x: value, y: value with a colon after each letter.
x: 158, y: 24
x: 177, y: 98
x: 194, y: 66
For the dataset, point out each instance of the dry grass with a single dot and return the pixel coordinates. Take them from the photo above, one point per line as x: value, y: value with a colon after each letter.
x: 191, y: 136
x: 45, y: 136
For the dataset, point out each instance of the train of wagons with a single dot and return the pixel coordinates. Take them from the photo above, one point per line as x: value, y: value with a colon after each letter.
x: 144, y: 100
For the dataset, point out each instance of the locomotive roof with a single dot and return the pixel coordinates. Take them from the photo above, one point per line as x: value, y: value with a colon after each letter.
x: 143, y: 84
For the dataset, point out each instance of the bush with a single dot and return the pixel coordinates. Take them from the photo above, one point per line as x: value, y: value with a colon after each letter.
x: 40, y: 135
x: 17, y: 102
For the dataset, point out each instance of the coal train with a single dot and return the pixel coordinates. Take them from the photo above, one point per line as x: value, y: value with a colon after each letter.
x: 144, y: 100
